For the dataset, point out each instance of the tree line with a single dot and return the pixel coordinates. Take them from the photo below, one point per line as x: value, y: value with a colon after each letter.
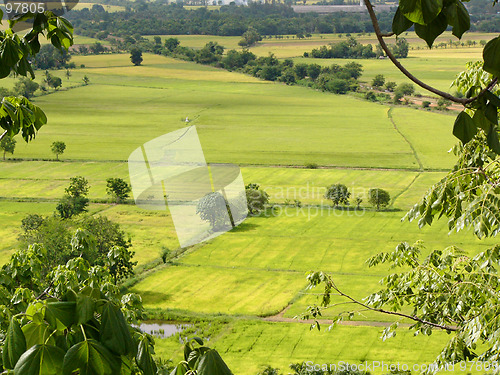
x: 232, y: 20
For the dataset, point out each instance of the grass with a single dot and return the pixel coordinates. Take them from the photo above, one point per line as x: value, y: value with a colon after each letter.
x: 248, y: 346
x: 252, y: 292
x: 148, y: 107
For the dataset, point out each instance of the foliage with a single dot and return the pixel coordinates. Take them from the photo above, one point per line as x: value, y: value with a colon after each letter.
x: 136, y: 56
x: 250, y: 38
x: 75, y: 200
x: 348, y: 49
x: 401, y: 48
x: 7, y: 145
x: 378, y: 198
x: 58, y: 148
x: 213, y: 208
x: 118, y: 188
x: 18, y: 114
x: 338, y: 194
x: 50, y: 57
x: 98, y: 240
x: 200, y: 360
x: 390, y: 86
x: 378, y: 80
x: 269, y: 370
x: 26, y: 87
x: 256, y: 199
x: 79, y: 322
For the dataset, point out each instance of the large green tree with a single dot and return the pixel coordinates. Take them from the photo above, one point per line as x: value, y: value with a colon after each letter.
x: 450, y: 289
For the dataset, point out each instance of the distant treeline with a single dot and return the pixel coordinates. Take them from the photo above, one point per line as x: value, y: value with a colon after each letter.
x: 351, y: 49
x: 158, y: 18
x: 337, y: 79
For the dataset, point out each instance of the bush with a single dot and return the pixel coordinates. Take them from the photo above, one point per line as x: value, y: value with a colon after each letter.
x: 118, y: 189
x: 378, y: 198
x: 371, y: 96
x: 256, y: 199
x: 426, y: 104
x: 311, y: 166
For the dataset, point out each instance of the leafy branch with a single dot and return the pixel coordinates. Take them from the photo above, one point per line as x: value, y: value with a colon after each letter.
x: 395, y: 61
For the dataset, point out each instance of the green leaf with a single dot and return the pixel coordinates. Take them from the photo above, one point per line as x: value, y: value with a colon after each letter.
x: 422, y: 12
x: 63, y: 312
x: 491, y: 57
x: 14, y: 344
x: 144, y: 358
x: 180, y: 369
x: 492, y: 139
x: 36, y: 333
x: 457, y: 17
x: 430, y: 32
x: 40, y: 360
x: 211, y: 363
x: 400, y: 23
x: 90, y: 358
x: 9, y: 52
x: 481, y: 120
x: 464, y: 128
x: 85, y: 308
x: 495, y: 100
x: 114, y: 330
x: 491, y: 113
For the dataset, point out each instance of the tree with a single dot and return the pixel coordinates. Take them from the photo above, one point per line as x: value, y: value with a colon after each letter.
x: 118, y: 189
x: 68, y: 74
x: 136, y: 56
x: 249, y: 38
x: 378, y: 80
x: 447, y: 289
x: 58, y: 148
x: 75, y: 200
x: 52, y: 321
x: 25, y: 87
x: 358, y: 200
x: 378, y: 198
x: 338, y: 194
x: 86, y: 80
x: 390, y: 86
x: 213, y: 208
x: 171, y: 44
x: 313, y: 71
x: 256, y: 199
x: 7, y: 145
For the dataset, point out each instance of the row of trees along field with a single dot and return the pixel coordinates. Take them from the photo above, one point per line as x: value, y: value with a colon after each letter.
x: 267, y: 19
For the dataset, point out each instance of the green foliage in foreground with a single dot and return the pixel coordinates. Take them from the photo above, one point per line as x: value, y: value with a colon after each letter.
x: 79, y: 322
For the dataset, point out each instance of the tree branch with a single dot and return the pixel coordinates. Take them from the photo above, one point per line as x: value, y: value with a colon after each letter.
x: 3, y: 135
x: 411, y: 317
x: 380, y: 37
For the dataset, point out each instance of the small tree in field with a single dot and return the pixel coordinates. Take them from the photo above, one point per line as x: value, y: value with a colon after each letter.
x: 136, y: 56
x: 75, y: 201
x: 338, y: 194
x: 118, y: 189
x: 378, y: 80
x: 8, y: 145
x: 58, y: 148
x: 213, y: 208
x: 256, y: 199
x: 378, y: 198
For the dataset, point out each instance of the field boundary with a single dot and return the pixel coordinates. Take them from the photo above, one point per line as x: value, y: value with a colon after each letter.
x: 414, y: 151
